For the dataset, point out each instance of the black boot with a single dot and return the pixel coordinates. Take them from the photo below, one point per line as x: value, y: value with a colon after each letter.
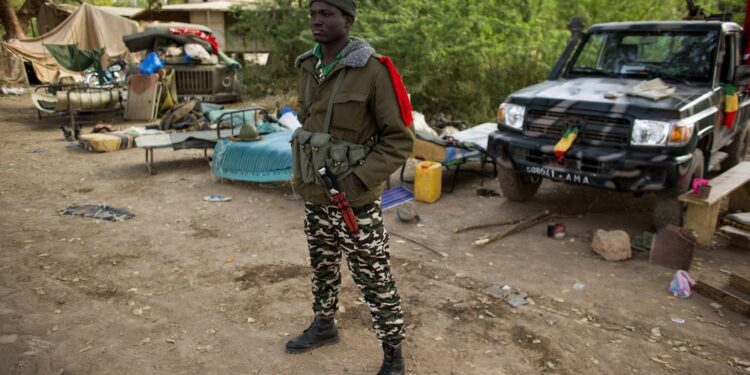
x: 321, y: 332
x: 393, y: 361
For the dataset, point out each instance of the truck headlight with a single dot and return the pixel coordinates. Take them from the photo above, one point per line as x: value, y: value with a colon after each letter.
x: 680, y: 134
x: 511, y: 115
x: 661, y: 133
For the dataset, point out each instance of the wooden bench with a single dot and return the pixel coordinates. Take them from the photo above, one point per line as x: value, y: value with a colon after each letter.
x: 702, y: 215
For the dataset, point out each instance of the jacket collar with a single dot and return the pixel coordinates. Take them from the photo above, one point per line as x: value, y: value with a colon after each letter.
x: 355, y: 55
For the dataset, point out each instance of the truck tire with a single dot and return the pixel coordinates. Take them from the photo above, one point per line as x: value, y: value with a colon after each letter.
x: 516, y: 186
x: 737, y: 150
x: 669, y: 210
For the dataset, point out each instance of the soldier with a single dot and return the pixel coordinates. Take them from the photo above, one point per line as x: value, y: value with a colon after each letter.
x: 356, y: 118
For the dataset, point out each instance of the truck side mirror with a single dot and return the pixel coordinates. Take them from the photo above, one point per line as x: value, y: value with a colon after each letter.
x: 742, y: 75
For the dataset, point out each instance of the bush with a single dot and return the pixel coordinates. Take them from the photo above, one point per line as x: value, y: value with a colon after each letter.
x: 461, y: 57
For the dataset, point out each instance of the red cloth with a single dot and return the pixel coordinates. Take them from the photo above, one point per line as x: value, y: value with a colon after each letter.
x: 200, y: 34
x: 401, y: 95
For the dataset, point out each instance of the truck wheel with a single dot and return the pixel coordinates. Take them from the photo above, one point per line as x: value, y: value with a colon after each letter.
x: 669, y: 210
x: 736, y: 151
x: 516, y: 186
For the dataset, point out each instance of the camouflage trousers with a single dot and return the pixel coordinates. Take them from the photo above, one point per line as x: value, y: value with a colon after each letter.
x: 368, y: 259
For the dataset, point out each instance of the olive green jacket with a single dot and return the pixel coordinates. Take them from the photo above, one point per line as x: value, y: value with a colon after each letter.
x: 364, y: 107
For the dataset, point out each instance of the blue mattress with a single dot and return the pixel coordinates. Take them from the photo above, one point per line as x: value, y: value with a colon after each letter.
x: 267, y: 160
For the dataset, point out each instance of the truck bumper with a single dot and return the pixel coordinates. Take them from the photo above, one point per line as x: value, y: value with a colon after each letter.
x: 610, y: 168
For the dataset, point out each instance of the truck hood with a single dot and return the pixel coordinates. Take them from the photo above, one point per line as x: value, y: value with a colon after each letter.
x: 588, y: 95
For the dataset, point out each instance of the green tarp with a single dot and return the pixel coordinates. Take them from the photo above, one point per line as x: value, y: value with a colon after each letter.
x: 74, y: 59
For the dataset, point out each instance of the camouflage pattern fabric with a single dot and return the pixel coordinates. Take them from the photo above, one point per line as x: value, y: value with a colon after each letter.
x: 368, y: 259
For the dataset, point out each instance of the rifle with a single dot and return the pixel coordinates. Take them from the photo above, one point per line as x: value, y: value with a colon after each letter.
x: 695, y: 12
x: 339, y: 197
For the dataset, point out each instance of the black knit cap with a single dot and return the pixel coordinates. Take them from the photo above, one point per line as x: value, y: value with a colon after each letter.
x: 348, y: 7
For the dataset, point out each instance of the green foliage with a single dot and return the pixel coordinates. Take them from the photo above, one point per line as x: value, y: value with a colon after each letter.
x: 456, y: 56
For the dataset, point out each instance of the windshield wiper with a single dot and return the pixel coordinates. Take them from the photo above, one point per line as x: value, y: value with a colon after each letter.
x: 652, y: 73
x: 588, y: 70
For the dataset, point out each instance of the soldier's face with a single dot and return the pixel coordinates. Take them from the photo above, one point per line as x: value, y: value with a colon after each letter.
x: 328, y: 23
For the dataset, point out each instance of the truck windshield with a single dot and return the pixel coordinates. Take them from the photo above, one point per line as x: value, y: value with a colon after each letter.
x: 675, y: 56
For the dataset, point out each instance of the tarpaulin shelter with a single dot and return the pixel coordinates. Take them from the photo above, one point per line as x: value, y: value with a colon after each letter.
x: 87, y: 28
x: 70, y: 57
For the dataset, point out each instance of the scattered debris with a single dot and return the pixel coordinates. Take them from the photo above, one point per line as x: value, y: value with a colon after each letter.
x: 681, y: 284
x: 442, y: 255
x: 515, y: 228
x: 251, y: 320
x: 101, y: 212
x: 487, y: 192
x: 642, y: 242
x: 613, y: 246
x: 678, y: 320
x: 204, y: 348
x: 556, y: 230
x: 217, y: 198
x: 656, y: 332
x: 38, y: 150
x: 665, y: 363
x: 407, y: 212
x: 514, y: 297
x: 716, y: 305
x: 8, y: 339
x: 482, y: 226
x: 579, y: 285
x: 611, y: 95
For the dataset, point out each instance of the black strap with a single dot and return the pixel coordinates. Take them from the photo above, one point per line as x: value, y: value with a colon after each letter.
x: 336, y: 87
x: 308, y: 95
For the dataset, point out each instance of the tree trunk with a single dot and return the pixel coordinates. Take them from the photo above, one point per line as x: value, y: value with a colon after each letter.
x: 29, y: 10
x: 9, y: 20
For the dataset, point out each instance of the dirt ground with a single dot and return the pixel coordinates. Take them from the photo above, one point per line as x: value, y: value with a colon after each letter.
x: 190, y: 287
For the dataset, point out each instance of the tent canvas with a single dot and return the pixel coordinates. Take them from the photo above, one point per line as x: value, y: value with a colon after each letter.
x: 88, y: 28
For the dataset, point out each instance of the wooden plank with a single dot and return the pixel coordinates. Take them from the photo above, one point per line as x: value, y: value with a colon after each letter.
x: 739, y: 238
x: 739, y: 200
x: 725, y: 298
x: 429, y: 151
x: 143, y: 98
x: 734, y: 231
x: 702, y: 220
x: 722, y: 185
x: 740, y: 283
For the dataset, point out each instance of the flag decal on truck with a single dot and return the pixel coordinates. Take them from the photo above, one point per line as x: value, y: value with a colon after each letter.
x: 731, y: 105
x: 565, y: 143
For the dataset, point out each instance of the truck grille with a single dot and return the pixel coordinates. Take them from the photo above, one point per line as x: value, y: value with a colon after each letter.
x: 594, y: 129
x: 194, y: 82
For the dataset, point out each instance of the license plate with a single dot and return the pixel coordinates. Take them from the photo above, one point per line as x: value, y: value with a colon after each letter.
x: 573, y: 178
